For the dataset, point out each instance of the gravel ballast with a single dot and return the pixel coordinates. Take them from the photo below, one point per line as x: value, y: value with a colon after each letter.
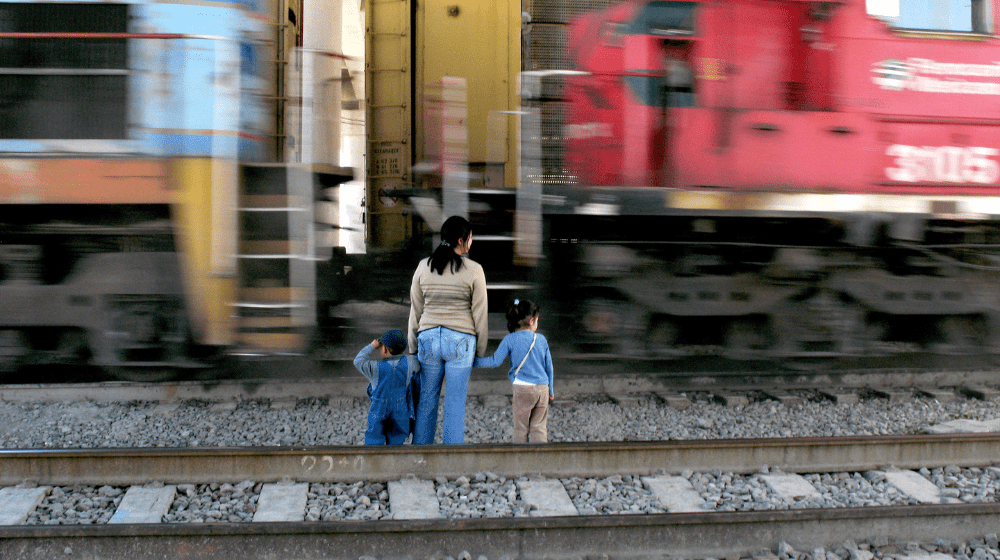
x: 485, y: 494
x: 317, y: 422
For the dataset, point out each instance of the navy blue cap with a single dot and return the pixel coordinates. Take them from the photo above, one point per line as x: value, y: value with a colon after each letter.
x: 391, y: 338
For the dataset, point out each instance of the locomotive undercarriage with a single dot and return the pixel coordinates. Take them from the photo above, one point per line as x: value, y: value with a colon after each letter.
x: 104, y: 290
x: 675, y: 287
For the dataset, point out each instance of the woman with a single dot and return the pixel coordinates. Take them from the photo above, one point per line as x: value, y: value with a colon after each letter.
x: 448, y: 327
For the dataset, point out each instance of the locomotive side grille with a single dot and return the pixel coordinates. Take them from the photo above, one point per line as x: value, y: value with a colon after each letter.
x: 562, y: 11
x: 547, y: 47
x: 63, y: 88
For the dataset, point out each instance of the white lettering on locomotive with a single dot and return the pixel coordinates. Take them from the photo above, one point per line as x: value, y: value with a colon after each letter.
x: 588, y: 130
x: 943, y: 164
x: 915, y: 74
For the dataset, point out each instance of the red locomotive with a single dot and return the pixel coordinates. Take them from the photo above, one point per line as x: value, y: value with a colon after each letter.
x: 781, y: 178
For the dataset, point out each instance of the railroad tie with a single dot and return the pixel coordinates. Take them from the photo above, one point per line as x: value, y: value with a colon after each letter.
x: 282, y: 502
x: 731, y: 399
x: 940, y: 395
x: 546, y: 497
x: 784, y: 397
x: 676, y: 493
x: 840, y: 396
x: 628, y: 400
x: 914, y: 486
x: 674, y: 400
x: 165, y: 409
x: 964, y: 426
x: 979, y: 392
x: 144, y: 505
x: 284, y: 404
x: 16, y: 504
x: 224, y: 406
x: 893, y: 396
x: 625, y: 385
x: 790, y: 487
x: 921, y: 555
x: 411, y: 498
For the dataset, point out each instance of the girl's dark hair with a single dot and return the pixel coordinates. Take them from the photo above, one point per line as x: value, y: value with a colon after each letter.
x: 519, y: 313
x: 454, y: 229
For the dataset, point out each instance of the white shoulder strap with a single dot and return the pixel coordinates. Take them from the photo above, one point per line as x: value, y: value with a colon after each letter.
x: 533, y: 339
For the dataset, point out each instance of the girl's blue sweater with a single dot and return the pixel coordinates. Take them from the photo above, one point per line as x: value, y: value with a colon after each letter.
x: 537, y: 370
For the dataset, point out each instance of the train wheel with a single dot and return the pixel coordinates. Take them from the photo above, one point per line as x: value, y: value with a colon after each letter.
x: 661, y: 341
x: 959, y: 334
x: 747, y: 339
x: 14, y: 348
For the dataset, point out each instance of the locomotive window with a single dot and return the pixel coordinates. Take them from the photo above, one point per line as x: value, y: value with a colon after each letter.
x: 969, y: 16
x: 59, y: 87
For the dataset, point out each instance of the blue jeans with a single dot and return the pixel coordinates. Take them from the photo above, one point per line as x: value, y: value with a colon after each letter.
x: 443, y: 354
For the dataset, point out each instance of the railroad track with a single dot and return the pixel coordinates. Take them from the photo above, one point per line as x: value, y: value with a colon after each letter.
x: 621, y: 388
x: 690, y: 532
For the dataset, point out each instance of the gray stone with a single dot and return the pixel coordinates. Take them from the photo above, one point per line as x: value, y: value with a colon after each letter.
x: 914, y: 486
x: 675, y: 493
x: 791, y: 487
x: 546, y: 498
x: 16, y: 504
x: 411, y: 498
x: 282, y: 502
x: 144, y: 505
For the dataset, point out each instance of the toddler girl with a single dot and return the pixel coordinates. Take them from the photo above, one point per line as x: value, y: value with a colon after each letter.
x: 530, y: 371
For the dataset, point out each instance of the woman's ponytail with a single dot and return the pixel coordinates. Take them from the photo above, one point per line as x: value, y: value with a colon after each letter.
x: 453, y: 230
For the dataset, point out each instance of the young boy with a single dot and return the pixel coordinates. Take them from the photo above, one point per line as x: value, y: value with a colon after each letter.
x: 530, y: 371
x: 391, y: 381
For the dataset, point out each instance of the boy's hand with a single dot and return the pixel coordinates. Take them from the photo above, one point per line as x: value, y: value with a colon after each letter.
x: 376, y: 344
x: 552, y: 398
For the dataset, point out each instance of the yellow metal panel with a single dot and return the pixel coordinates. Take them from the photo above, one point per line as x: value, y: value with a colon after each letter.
x: 478, y: 41
x: 271, y: 323
x: 274, y: 340
x: 388, y: 104
x: 208, y: 295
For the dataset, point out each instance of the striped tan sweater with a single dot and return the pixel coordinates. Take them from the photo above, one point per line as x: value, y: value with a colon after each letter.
x: 454, y: 300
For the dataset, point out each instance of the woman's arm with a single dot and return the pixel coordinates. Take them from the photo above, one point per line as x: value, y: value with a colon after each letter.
x: 480, y: 312
x: 416, y: 310
x: 549, y: 371
x: 496, y: 359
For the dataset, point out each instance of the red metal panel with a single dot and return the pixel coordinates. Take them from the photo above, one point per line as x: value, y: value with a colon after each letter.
x: 84, y: 181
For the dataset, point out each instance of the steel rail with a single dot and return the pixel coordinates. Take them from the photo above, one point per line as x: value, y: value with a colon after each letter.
x: 376, y: 463
x: 340, y: 379
x: 678, y: 535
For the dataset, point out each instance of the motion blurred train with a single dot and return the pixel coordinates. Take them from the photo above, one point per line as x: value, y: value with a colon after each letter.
x: 143, y: 223
x: 780, y: 179
x: 754, y: 179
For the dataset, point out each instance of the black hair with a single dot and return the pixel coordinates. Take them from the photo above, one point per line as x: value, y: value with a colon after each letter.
x: 453, y: 230
x: 397, y: 349
x: 519, y: 313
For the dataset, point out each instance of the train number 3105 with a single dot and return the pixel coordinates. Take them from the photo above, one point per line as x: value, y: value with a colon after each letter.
x: 943, y: 164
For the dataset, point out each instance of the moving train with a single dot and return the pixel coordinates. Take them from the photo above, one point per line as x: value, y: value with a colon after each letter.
x: 144, y: 223
x: 778, y: 180
x: 756, y: 179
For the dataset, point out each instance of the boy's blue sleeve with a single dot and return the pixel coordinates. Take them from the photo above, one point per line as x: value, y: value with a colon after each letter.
x: 368, y: 368
x: 496, y: 359
x: 547, y: 362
